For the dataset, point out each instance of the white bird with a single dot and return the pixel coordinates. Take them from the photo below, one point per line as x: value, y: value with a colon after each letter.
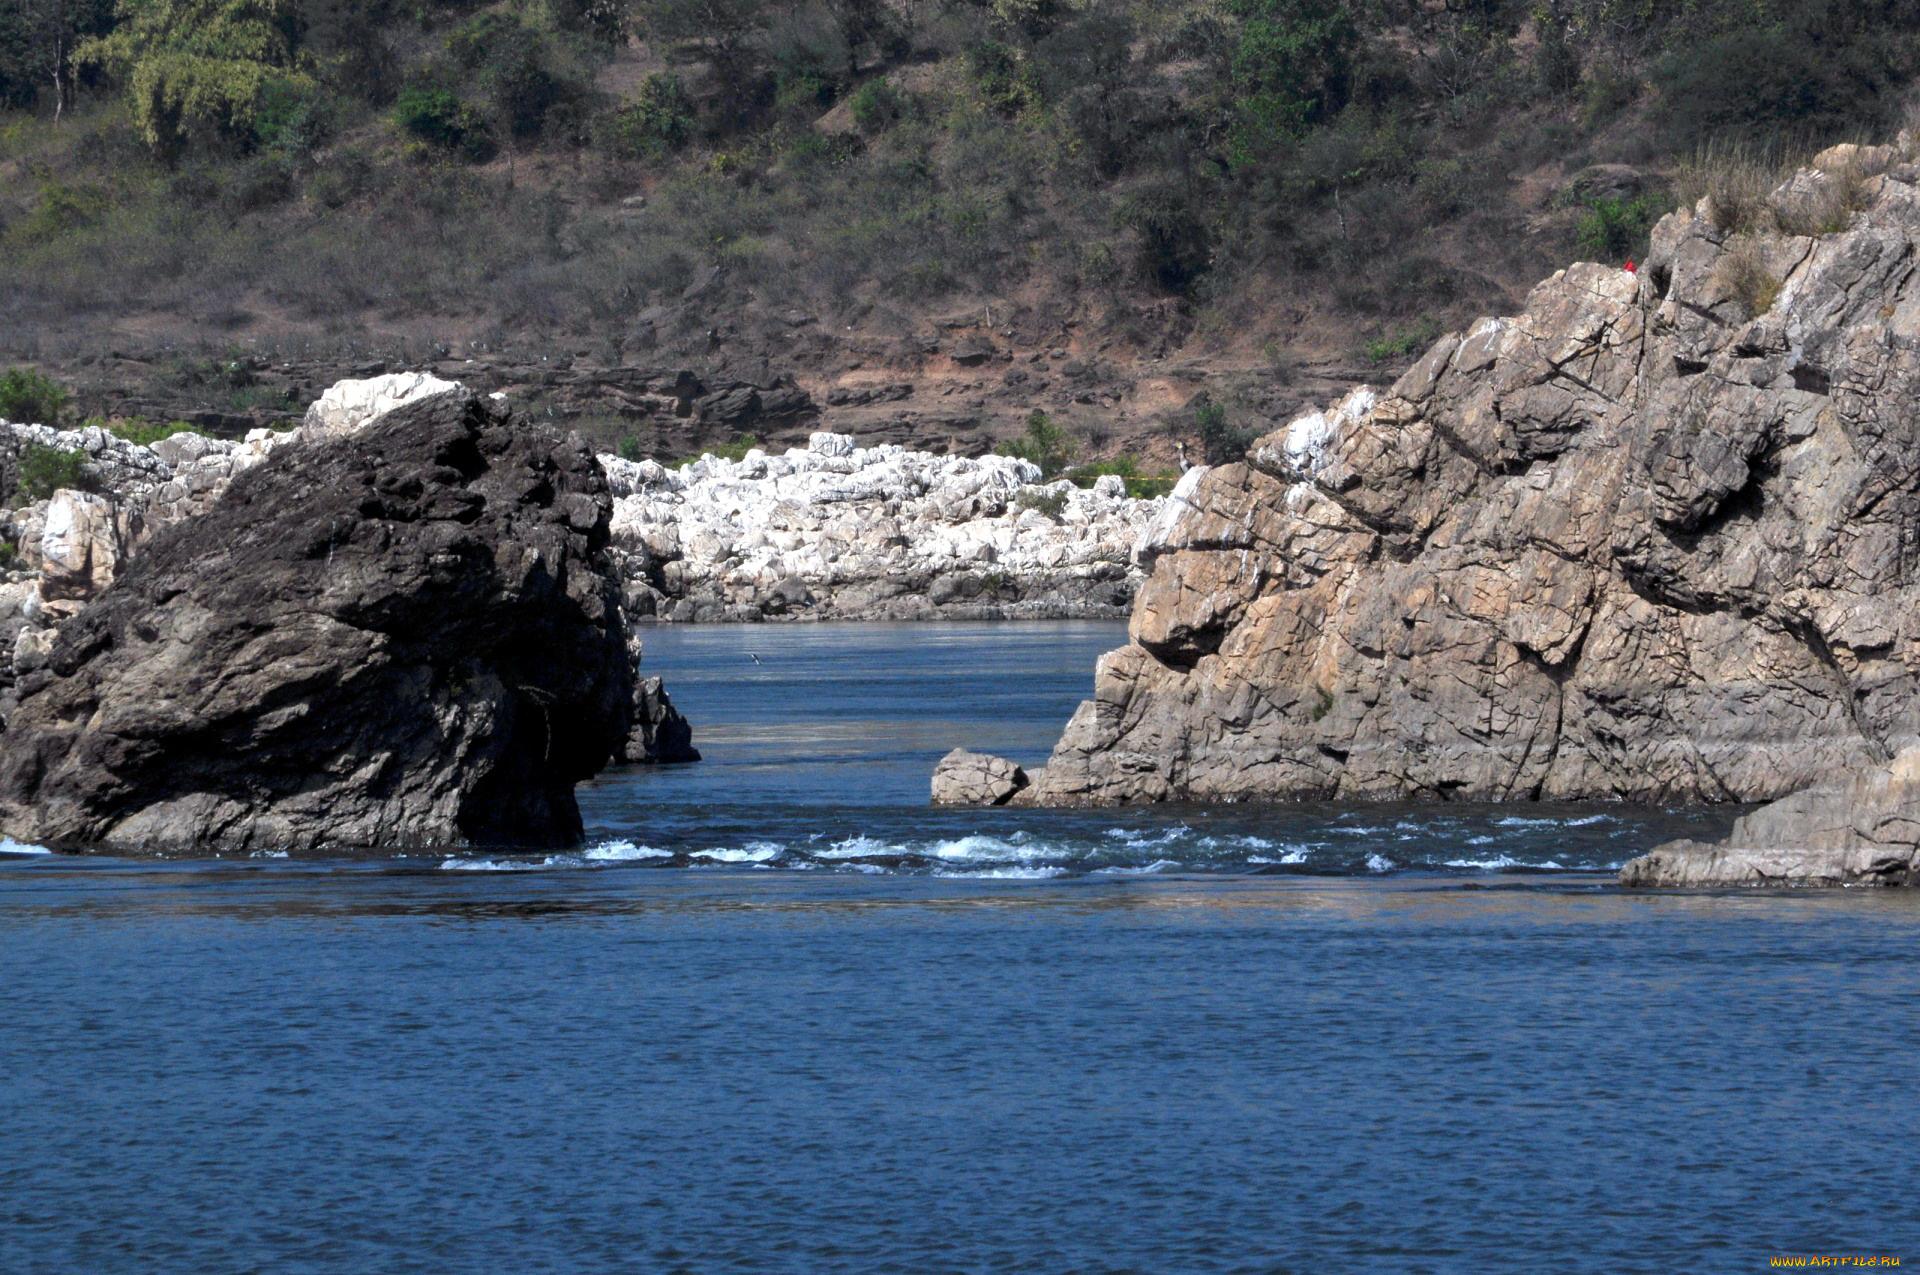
x: 753, y: 657
x: 1182, y: 449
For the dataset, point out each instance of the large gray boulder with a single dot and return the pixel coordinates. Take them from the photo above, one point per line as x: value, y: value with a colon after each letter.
x: 407, y: 637
x: 1652, y: 538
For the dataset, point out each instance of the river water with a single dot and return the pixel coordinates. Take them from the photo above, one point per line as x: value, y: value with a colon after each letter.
x: 781, y: 1017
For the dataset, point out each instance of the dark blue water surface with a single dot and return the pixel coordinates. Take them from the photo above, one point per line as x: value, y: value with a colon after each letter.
x: 677, y: 1063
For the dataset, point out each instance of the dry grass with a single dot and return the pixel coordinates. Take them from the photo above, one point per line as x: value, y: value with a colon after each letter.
x: 1743, y: 274
x: 1734, y: 179
x: 1827, y: 208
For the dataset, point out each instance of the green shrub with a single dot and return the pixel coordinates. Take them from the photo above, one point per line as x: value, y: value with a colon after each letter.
x: 1221, y: 441
x: 876, y: 106
x: 1002, y: 76
x: 293, y: 119
x: 627, y: 448
x: 1045, y: 444
x: 1405, y: 342
x: 1175, y: 244
x: 138, y: 429
x: 45, y: 470
x: 654, y: 122
x: 441, y: 120
x: 29, y: 398
x: 7, y: 553
x: 1614, y: 230
x: 736, y: 450
x: 1048, y: 503
x: 62, y: 207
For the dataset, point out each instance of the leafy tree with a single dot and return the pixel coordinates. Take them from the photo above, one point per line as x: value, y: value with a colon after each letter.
x: 1291, y: 67
x: 200, y: 69
x: 37, y: 38
x: 1045, y: 444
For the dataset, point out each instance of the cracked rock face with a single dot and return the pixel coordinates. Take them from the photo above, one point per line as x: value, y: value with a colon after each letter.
x: 1629, y: 543
x: 1848, y: 829
x: 409, y: 637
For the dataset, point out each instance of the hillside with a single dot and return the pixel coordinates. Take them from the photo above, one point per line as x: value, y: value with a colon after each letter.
x: 676, y: 222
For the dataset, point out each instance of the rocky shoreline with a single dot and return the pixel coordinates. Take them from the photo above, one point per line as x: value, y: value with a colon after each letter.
x: 835, y: 531
x: 1648, y: 540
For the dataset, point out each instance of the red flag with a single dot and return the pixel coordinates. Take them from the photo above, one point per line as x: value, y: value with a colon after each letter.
x: 1630, y: 269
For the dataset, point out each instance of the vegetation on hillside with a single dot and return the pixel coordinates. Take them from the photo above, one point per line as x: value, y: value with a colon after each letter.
x: 553, y: 168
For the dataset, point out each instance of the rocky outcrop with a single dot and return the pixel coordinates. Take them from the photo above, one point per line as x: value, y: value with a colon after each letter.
x: 837, y: 531
x: 976, y: 779
x: 658, y: 734
x: 1653, y: 538
x: 69, y: 545
x: 407, y: 637
x: 1848, y: 829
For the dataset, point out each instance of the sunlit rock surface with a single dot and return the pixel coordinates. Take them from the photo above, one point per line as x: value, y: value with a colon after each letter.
x: 1631, y: 542
x: 835, y: 531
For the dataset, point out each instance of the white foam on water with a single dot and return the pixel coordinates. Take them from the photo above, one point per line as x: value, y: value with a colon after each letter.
x: 758, y: 852
x: 623, y: 852
x: 1379, y: 863
x: 496, y: 865
x: 1148, y: 836
x: 1158, y: 865
x: 856, y: 847
x: 1504, y: 861
x: 9, y: 846
x: 1296, y: 855
x: 982, y: 848
x: 270, y: 854
x: 1006, y: 874
x: 1521, y: 821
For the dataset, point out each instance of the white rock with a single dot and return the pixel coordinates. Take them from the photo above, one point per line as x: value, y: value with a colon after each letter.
x: 349, y: 405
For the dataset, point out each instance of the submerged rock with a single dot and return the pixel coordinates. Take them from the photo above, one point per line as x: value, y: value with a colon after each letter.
x: 408, y: 637
x: 1650, y: 539
x: 1859, y: 829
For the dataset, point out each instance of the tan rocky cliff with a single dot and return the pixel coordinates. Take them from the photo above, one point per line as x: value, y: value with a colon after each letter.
x: 1630, y: 543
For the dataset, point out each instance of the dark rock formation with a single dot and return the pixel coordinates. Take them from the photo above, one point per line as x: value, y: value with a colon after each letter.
x: 659, y: 733
x: 1848, y: 829
x: 1651, y: 539
x: 406, y: 637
